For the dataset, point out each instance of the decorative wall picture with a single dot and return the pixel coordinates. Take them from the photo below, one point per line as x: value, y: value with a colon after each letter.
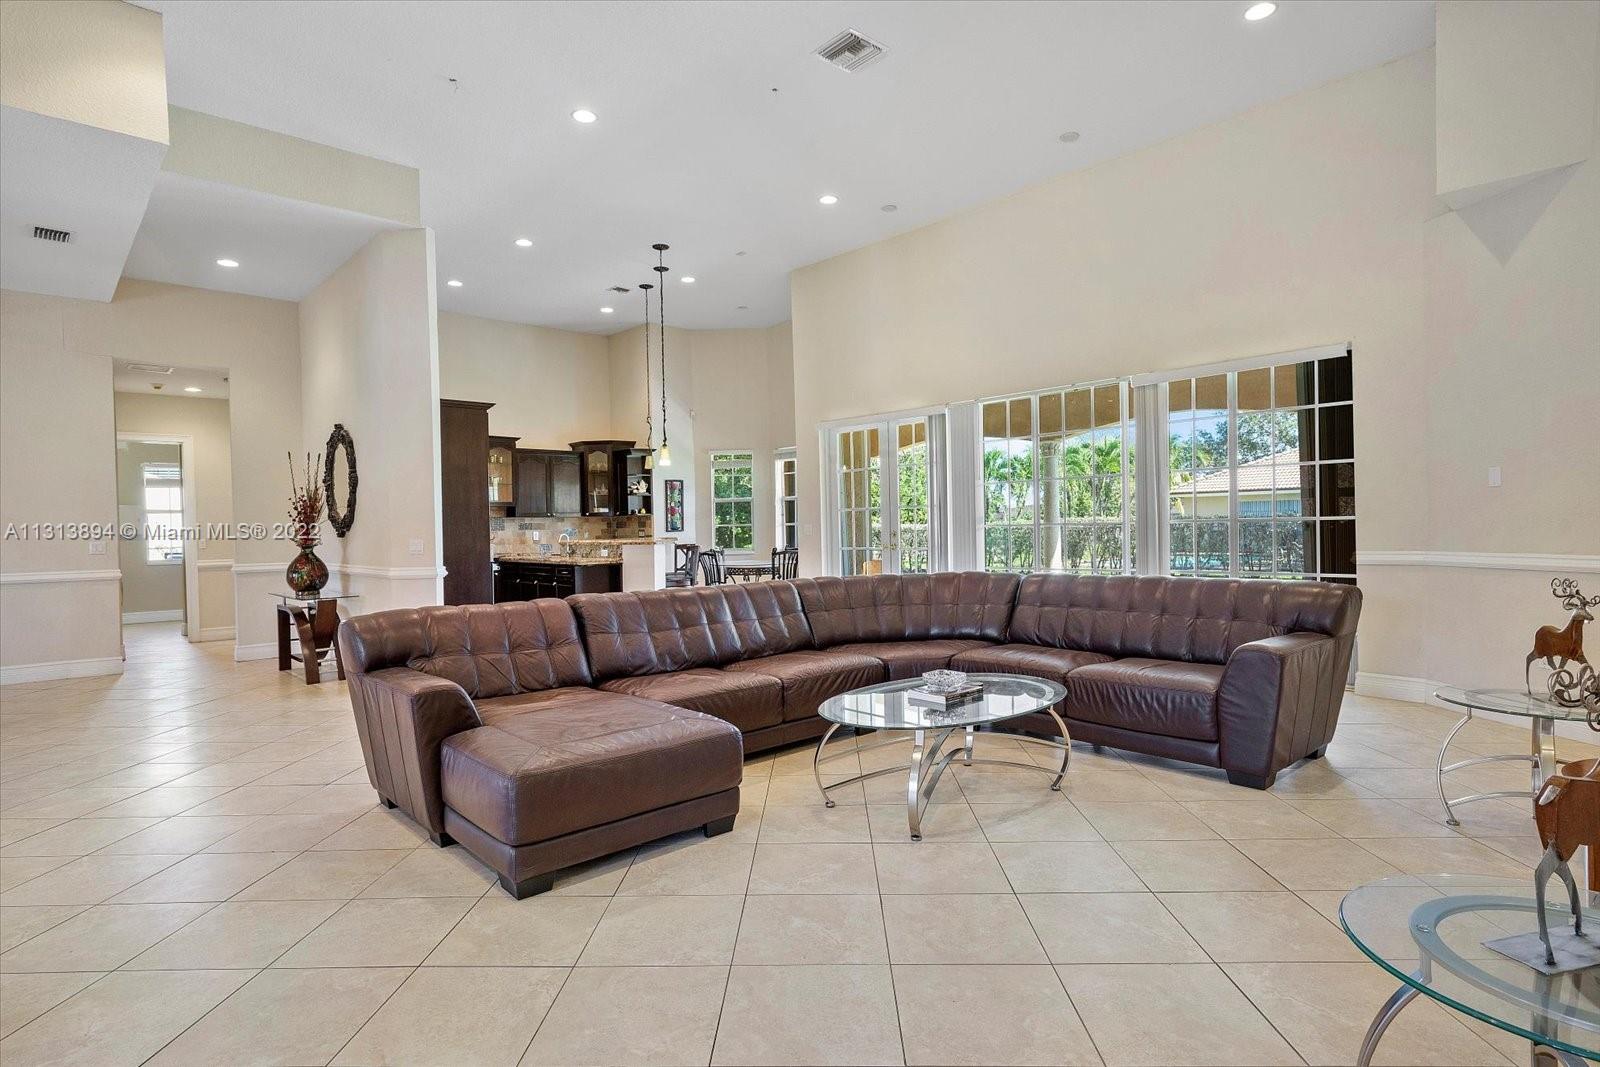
x: 674, y: 505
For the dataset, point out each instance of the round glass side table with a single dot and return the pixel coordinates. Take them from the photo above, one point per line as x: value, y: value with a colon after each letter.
x: 1429, y: 933
x: 1542, y: 716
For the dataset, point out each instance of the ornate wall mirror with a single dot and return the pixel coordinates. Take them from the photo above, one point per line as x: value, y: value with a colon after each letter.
x: 339, y: 479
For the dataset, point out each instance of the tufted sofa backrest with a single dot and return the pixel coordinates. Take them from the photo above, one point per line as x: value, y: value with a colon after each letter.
x: 489, y: 650
x: 1200, y: 620
x: 900, y: 607
x: 701, y: 626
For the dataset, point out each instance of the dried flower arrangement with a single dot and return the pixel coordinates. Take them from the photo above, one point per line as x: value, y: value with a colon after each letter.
x: 305, y: 504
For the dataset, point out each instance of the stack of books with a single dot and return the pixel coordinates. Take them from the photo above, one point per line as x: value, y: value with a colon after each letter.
x: 965, y: 693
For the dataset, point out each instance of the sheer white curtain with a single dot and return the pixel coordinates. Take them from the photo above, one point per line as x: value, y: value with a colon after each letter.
x: 1153, y: 537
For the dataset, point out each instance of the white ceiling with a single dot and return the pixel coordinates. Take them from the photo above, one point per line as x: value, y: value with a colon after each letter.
x: 284, y: 248
x: 212, y: 382
x: 64, y: 175
x: 693, y: 146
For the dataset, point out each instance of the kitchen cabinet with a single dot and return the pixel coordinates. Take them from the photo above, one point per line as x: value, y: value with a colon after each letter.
x: 501, y: 470
x: 548, y: 482
x: 464, y: 496
x: 523, y: 580
x: 604, y: 467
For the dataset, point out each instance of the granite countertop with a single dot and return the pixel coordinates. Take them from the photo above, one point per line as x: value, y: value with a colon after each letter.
x: 623, y: 541
x: 560, y: 560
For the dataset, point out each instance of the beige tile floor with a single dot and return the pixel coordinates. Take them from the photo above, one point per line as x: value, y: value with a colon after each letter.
x: 193, y: 871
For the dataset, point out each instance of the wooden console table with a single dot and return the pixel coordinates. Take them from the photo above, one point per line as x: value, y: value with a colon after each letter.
x: 316, y: 622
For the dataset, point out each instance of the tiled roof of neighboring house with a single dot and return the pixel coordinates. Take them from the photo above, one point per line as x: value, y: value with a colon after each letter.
x: 1278, y: 471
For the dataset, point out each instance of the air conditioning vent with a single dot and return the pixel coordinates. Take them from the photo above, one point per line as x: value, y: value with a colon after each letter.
x: 618, y: 289
x: 149, y: 368
x: 850, y: 51
x: 45, y: 233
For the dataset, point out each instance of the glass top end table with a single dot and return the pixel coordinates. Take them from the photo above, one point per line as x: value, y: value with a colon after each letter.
x: 889, y: 706
x: 1430, y: 932
x: 1542, y: 716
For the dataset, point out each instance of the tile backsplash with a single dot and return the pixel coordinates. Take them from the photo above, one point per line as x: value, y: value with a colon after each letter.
x: 517, y: 535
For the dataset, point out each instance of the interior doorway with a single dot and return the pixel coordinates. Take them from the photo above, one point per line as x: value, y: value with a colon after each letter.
x: 156, y: 504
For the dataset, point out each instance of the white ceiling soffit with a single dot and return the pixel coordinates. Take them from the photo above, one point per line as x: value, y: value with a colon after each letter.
x: 62, y: 175
x: 130, y: 377
x: 693, y: 146
x: 284, y: 248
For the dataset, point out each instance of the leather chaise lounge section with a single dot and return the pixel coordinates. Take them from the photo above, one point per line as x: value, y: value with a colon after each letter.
x: 545, y: 733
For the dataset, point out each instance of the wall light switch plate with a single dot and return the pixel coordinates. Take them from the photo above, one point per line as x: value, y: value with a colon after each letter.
x: 97, y: 548
x: 414, y: 546
x: 537, y: 535
x: 1494, y: 477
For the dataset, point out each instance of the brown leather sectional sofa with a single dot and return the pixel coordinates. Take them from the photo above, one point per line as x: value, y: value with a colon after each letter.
x: 545, y: 733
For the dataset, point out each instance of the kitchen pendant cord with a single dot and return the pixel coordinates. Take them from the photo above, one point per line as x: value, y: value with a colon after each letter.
x: 649, y: 421
x: 661, y: 312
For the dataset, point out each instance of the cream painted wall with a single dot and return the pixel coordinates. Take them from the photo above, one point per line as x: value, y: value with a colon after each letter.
x: 146, y: 586
x: 59, y: 602
x: 207, y: 422
x: 549, y: 387
x: 1306, y: 221
x: 369, y: 359
x: 57, y: 357
x: 98, y: 63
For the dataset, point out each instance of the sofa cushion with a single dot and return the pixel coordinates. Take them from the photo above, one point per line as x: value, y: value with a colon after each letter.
x: 1149, y: 695
x: 1052, y: 663
x: 907, y: 659
x: 487, y: 649
x: 900, y: 607
x: 704, y: 626
x: 810, y: 677
x: 492, y: 709
x: 749, y: 701
x: 1198, y: 620
x: 549, y: 771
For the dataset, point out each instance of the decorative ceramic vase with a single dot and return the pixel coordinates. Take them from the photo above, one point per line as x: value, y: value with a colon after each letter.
x: 306, y: 572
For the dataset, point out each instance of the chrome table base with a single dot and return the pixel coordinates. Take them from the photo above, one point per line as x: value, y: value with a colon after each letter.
x: 929, y: 760
x: 1542, y: 757
x: 1537, y: 1054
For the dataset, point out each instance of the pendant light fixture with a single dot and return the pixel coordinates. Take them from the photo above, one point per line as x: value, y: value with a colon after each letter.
x: 649, y: 421
x: 665, y: 458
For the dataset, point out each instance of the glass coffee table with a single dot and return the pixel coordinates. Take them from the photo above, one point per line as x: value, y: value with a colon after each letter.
x: 888, y: 706
x: 1429, y: 933
x: 1542, y: 716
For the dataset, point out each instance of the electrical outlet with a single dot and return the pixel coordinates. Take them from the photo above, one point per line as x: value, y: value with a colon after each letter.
x: 414, y: 546
x: 1494, y: 477
x: 537, y: 535
x: 97, y: 548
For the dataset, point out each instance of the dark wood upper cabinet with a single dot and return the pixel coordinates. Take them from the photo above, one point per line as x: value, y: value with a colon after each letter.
x: 603, y: 468
x: 464, y: 496
x: 502, y: 471
x: 548, y: 483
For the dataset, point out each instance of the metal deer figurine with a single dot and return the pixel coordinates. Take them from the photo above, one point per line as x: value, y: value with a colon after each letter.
x: 1567, y: 812
x: 1560, y: 646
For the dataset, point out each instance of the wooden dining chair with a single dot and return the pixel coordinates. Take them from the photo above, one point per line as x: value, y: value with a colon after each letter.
x: 686, y: 565
x: 785, y: 563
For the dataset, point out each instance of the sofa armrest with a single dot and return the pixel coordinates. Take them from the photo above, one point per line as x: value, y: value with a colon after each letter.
x: 403, y: 717
x: 1278, y: 702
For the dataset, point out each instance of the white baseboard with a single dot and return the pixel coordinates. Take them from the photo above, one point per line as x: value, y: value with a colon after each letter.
x: 167, y: 615
x: 215, y: 633
x: 1420, y: 691
x: 66, y: 668
x: 265, y: 650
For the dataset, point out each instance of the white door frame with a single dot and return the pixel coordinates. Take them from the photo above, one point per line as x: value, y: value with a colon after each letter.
x: 191, y: 549
x: 888, y: 489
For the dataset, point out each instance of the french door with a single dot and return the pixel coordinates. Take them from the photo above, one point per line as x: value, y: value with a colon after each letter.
x: 887, y: 495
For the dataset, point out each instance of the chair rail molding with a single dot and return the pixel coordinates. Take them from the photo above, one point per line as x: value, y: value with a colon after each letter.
x: 51, y: 577
x: 1493, y: 561
x: 216, y: 564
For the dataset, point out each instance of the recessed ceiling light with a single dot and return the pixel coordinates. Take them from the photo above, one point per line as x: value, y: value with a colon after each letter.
x: 454, y: 283
x: 1257, y: 12
x: 827, y: 199
x: 607, y: 311
x: 229, y: 263
x: 584, y: 115
x: 192, y: 389
x: 889, y: 209
x: 1069, y: 137
x: 524, y: 242
x: 687, y: 279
